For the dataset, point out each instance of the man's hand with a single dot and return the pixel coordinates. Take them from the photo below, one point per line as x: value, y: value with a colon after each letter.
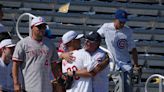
x: 17, y: 87
x: 67, y: 56
x: 137, y: 70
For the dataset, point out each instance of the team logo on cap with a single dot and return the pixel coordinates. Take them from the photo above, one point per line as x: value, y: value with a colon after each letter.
x: 122, y: 43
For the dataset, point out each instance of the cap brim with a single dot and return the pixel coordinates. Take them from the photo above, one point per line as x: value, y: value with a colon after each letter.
x: 11, y: 45
x: 122, y: 20
x: 79, y: 36
x: 39, y: 24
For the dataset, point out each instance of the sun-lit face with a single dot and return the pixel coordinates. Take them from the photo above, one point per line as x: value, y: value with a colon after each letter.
x: 39, y: 31
x: 75, y: 44
x: 118, y: 24
x: 91, y: 46
x: 8, y: 52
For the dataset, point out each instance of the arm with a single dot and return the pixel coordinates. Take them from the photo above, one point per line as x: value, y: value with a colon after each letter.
x: 135, y: 57
x: 15, y: 72
x: 82, y: 73
x: 97, y: 69
x: 56, y: 69
x: 101, y: 66
x: 66, y: 55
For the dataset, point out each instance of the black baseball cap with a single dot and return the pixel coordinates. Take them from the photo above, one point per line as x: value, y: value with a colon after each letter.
x: 93, y: 36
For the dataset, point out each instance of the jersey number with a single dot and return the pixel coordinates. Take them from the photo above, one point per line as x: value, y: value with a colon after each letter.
x: 73, y: 68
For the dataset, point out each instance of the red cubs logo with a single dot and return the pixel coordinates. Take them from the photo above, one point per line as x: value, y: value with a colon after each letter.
x: 122, y: 43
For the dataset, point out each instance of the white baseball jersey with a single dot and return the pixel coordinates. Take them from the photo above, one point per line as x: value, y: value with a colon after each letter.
x: 6, y: 81
x: 119, y: 43
x: 81, y: 61
x: 36, y: 58
x: 101, y: 80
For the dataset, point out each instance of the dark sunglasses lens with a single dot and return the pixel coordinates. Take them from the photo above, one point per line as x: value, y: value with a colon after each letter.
x: 41, y: 27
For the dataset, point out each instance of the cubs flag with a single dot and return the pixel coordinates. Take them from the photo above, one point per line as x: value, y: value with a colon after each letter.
x: 64, y: 8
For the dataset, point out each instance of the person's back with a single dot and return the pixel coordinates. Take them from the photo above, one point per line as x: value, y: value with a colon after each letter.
x: 82, y: 60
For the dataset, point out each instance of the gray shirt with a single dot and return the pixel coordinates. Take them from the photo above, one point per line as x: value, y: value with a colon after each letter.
x: 36, y: 58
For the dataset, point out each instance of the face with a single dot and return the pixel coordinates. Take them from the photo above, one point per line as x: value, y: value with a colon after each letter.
x: 8, y: 52
x: 75, y: 43
x: 91, y: 46
x: 118, y: 24
x: 39, y: 31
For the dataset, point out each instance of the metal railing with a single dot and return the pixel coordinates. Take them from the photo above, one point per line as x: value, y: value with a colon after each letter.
x: 160, y: 83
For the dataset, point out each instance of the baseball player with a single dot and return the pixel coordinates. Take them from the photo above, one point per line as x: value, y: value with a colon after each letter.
x: 34, y: 55
x: 7, y: 48
x: 119, y: 40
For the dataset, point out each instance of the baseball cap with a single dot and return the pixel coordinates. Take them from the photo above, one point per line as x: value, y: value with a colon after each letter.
x: 70, y: 35
x: 121, y: 15
x: 93, y: 36
x: 37, y: 21
x: 7, y: 43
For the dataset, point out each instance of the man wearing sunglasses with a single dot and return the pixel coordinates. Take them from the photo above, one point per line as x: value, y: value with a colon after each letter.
x: 100, y: 79
x: 34, y: 55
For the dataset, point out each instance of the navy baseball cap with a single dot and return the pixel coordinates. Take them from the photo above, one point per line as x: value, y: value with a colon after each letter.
x: 121, y: 15
x: 93, y: 36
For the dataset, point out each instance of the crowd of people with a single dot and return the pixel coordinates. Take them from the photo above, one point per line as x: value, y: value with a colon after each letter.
x: 30, y: 65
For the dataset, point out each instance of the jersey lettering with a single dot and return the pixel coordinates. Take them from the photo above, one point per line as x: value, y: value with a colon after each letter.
x: 73, y: 68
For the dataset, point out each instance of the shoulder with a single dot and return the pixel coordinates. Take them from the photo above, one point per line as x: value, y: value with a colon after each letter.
x: 23, y: 41
x: 127, y: 28
x: 109, y: 26
x: 81, y: 53
x: 99, y: 52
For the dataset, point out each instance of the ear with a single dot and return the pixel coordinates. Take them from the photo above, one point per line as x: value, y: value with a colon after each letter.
x: 2, y: 49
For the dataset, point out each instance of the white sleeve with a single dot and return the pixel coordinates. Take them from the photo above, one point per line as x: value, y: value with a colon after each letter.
x: 19, y: 52
x: 101, y: 30
x: 89, y: 64
x: 92, y: 65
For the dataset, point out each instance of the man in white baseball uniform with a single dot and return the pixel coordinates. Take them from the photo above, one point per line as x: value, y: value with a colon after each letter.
x: 34, y: 55
x: 6, y: 81
x: 82, y: 60
x: 119, y: 40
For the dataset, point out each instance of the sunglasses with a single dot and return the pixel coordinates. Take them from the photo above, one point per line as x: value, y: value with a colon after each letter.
x: 87, y: 40
x: 42, y: 26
